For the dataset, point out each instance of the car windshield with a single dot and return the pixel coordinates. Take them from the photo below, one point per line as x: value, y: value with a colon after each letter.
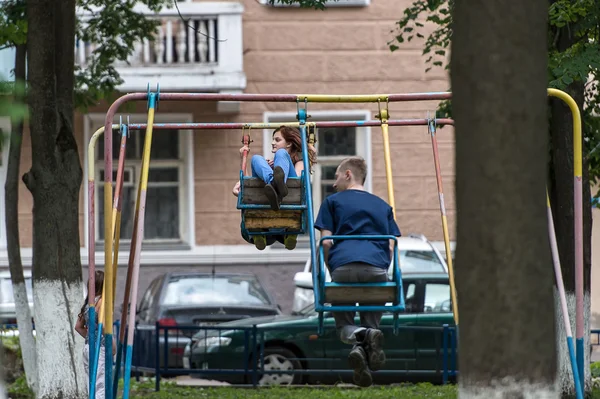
x: 209, y: 290
x: 420, y: 261
x: 6, y: 290
x: 307, y: 310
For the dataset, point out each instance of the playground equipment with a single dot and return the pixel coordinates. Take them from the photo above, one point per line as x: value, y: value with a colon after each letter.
x: 577, y: 358
x: 297, y: 215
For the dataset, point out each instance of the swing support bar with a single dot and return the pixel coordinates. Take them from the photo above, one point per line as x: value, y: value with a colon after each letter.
x: 112, y: 216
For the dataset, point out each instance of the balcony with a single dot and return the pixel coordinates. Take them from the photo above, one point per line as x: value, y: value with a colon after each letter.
x: 202, y: 53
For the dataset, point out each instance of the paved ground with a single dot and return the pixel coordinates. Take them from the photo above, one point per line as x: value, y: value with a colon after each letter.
x: 186, y: 380
x: 595, y: 357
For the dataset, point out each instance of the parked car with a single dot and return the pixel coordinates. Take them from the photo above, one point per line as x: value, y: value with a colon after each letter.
x: 194, y: 299
x: 291, y: 342
x: 417, y: 254
x: 8, y: 314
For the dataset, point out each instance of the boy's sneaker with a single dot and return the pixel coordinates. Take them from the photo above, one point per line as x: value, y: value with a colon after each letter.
x: 374, y: 343
x: 290, y: 241
x: 260, y: 242
x: 357, y: 360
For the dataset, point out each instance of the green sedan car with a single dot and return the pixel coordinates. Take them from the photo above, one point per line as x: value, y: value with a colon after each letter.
x: 289, y: 351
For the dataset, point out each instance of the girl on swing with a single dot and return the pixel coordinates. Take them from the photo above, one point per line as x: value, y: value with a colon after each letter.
x: 287, y: 162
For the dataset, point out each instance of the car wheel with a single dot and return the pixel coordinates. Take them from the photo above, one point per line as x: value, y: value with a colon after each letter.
x: 283, y: 359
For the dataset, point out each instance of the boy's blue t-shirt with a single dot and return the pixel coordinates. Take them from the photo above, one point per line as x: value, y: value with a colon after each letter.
x: 357, y: 212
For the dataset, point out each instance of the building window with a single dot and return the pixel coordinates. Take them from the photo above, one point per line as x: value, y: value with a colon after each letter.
x: 167, y: 196
x: 333, y: 145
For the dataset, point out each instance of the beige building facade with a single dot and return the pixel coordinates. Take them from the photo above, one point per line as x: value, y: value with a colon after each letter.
x: 249, y: 46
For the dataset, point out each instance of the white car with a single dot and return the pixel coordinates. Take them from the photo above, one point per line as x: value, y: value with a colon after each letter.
x: 417, y: 254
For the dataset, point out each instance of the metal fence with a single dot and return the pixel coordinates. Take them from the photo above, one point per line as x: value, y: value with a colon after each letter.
x: 151, y: 354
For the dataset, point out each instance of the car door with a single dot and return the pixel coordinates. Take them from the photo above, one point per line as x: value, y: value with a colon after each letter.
x: 399, y: 349
x: 437, y: 311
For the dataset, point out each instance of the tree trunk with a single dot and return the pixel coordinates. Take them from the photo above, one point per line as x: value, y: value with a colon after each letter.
x: 54, y: 181
x: 561, y: 196
x: 11, y: 195
x: 504, y: 273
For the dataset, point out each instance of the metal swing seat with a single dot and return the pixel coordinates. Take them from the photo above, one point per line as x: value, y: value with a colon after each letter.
x: 257, y: 216
x: 294, y: 213
x: 368, y: 297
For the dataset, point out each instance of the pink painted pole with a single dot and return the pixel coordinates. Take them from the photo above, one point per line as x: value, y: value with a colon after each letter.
x: 235, y: 126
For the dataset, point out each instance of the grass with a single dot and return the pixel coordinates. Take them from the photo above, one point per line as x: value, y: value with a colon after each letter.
x: 169, y: 390
x: 172, y: 391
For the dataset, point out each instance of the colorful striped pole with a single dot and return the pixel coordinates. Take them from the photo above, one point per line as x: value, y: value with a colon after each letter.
x: 117, y: 208
x: 107, y: 297
x: 578, y: 226
x: 563, y: 300
x: 93, y: 331
x: 153, y: 97
x: 438, y: 175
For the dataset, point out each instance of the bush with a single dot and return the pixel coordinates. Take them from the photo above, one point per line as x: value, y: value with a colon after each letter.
x: 19, y: 389
x: 12, y: 360
x: 595, y: 369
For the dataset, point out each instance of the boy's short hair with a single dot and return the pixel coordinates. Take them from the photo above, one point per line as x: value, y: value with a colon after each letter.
x: 357, y: 165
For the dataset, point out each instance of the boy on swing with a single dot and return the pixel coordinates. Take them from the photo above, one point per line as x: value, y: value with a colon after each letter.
x: 354, y: 211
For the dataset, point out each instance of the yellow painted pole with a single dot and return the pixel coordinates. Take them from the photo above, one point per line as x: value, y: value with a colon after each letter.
x: 383, y: 116
x: 146, y: 153
x: 346, y: 98
x: 372, y: 98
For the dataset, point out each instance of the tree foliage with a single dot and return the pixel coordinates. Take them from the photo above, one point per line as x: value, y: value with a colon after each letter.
x: 13, y: 31
x: 578, y: 63
x: 114, y: 26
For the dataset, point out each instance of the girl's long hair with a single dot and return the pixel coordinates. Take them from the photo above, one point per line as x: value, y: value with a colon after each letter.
x: 292, y: 136
x: 98, y: 285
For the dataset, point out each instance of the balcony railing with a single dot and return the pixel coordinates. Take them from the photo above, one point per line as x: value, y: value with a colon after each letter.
x: 199, y: 50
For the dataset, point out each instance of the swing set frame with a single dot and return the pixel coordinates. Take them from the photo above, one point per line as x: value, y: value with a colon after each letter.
x: 113, y: 206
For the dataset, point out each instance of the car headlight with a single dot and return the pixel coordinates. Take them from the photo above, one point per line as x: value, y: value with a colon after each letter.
x: 210, y: 342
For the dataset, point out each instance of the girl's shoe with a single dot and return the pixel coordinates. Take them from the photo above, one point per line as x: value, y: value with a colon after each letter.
x: 279, y: 182
x: 260, y: 242
x: 272, y: 196
x: 290, y: 241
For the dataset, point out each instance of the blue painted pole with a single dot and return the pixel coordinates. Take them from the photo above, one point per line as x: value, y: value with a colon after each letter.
x: 580, y: 363
x: 108, y: 363
x: 96, y: 352
x: 127, y: 376
x: 309, y: 205
x: 117, y: 368
x: 579, y: 383
x: 92, y: 351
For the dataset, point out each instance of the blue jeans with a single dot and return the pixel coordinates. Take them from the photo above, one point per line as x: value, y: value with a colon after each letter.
x: 262, y: 170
